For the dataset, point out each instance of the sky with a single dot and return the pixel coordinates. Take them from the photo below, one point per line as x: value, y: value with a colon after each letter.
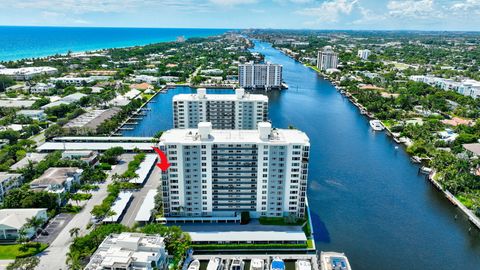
x: 236, y: 14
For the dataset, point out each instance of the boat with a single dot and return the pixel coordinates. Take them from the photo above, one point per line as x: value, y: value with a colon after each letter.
x: 237, y: 264
x: 215, y: 263
x: 334, y: 261
x: 425, y: 170
x: 277, y: 264
x: 416, y: 159
x: 194, y: 265
x: 257, y: 264
x: 303, y: 265
x: 376, y: 125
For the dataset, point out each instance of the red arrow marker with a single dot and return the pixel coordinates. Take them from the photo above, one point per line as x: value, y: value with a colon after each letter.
x: 163, y: 164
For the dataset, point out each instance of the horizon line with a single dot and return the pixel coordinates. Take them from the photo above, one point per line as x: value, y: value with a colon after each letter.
x: 248, y: 28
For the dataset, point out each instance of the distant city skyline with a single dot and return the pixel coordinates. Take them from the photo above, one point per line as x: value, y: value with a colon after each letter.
x: 463, y: 15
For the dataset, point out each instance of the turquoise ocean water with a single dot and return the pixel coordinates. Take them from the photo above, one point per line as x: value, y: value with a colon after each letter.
x: 17, y: 42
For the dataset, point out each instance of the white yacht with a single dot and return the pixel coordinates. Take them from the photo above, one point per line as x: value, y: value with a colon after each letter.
x: 257, y: 264
x: 277, y: 264
x: 303, y: 265
x: 334, y: 261
x: 237, y: 264
x: 194, y: 265
x: 376, y: 125
x: 215, y: 263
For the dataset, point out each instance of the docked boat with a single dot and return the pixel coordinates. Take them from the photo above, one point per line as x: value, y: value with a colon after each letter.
x: 376, y: 125
x: 277, y: 264
x: 334, y: 261
x: 215, y: 263
x: 237, y: 264
x: 257, y: 264
x: 303, y: 265
x: 194, y: 265
x: 425, y: 170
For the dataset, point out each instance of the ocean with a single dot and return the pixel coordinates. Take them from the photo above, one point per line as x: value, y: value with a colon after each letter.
x: 18, y: 42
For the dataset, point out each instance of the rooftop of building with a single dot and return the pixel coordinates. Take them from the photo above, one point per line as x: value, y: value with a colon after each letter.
x: 121, y: 248
x: 5, y: 176
x: 17, y: 217
x: 239, y: 94
x: 248, y: 236
x: 93, y: 118
x: 265, y: 133
x: 55, y: 176
x: 473, y: 147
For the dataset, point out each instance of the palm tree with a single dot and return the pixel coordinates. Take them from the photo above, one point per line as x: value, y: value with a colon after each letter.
x: 22, y: 237
x: 74, y: 232
x: 35, y: 223
x: 73, y: 261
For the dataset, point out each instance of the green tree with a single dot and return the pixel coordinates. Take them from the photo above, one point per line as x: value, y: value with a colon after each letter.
x: 73, y: 261
x: 74, y: 232
x: 24, y: 263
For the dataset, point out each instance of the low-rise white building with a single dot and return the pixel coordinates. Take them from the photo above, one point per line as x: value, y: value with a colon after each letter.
x: 9, y: 181
x: 34, y: 114
x: 13, y: 220
x: 57, y: 180
x: 77, y: 81
x: 27, y: 73
x: 465, y: 87
x: 41, y: 88
x: 130, y: 251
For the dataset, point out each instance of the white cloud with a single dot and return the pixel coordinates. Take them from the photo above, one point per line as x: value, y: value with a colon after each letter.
x: 329, y: 11
x: 466, y: 5
x: 232, y: 2
x: 414, y: 9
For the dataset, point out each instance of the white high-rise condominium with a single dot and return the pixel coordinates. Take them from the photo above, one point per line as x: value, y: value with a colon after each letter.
x: 260, y: 76
x: 327, y: 58
x: 225, y: 111
x: 364, y: 54
x: 221, y: 173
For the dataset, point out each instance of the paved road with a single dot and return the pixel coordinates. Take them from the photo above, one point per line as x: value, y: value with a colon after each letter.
x: 152, y: 183
x: 4, y: 264
x: 53, y: 258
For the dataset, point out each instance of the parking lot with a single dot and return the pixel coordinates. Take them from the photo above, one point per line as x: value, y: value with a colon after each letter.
x: 54, y: 227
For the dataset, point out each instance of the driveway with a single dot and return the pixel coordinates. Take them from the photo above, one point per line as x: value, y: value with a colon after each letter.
x: 53, y: 258
x: 54, y: 227
x: 152, y: 182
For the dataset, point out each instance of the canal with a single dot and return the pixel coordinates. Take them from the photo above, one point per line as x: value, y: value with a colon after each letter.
x: 367, y: 199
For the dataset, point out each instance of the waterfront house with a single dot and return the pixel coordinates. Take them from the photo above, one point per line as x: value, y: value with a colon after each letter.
x: 13, y: 220
x: 130, y: 251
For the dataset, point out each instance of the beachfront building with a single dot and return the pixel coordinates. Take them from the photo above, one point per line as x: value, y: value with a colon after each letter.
x: 260, y: 76
x: 220, y: 173
x: 27, y: 73
x: 364, y: 54
x: 13, y: 220
x: 327, y: 58
x: 225, y: 111
x: 130, y: 251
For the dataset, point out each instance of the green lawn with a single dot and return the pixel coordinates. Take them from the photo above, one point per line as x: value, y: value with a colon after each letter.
x: 310, y: 243
x: 13, y: 251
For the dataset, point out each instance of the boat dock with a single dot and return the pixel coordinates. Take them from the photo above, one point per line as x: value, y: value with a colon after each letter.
x: 226, y: 259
